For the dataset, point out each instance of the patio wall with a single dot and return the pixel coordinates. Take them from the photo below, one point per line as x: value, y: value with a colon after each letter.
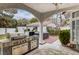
x: 9, y: 30
x: 2, y: 30
x: 21, y: 29
x: 12, y: 30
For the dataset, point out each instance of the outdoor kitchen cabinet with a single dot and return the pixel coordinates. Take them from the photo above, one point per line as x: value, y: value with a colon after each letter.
x: 5, y: 48
x: 20, y: 49
x: 34, y: 43
x: 19, y: 45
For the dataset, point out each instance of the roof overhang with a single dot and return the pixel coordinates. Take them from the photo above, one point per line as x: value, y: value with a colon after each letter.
x: 47, y: 7
x: 41, y: 10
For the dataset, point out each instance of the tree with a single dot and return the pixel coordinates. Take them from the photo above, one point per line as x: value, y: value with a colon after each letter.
x: 22, y: 22
x: 6, y: 20
x: 33, y: 20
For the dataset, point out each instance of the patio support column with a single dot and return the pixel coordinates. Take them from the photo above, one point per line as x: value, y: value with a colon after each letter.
x: 71, y: 39
x: 41, y: 41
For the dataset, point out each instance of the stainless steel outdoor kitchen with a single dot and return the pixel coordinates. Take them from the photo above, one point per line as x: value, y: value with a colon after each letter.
x: 18, y: 44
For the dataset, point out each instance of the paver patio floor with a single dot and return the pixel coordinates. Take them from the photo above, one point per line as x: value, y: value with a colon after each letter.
x: 53, y: 49
x: 51, y: 39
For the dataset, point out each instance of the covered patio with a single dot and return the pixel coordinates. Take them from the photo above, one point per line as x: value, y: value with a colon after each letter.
x: 42, y: 11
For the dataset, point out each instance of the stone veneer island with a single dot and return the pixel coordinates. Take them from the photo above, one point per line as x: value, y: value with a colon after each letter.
x: 19, y: 45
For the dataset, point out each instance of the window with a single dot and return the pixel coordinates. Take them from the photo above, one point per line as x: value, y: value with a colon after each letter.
x: 73, y: 28
x: 73, y: 24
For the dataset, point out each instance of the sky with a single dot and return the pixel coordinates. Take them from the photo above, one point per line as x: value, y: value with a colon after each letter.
x: 22, y: 14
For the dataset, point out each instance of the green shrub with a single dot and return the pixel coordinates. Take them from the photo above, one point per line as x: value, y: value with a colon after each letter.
x: 64, y: 36
x: 25, y: 30
x: 53, y: 31
x: 4, y: 36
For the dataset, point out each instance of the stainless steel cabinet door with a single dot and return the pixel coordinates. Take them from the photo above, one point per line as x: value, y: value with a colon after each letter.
x: 20, y: 49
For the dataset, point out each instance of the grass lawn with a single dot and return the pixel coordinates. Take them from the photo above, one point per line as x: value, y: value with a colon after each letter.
x: 3, y: 37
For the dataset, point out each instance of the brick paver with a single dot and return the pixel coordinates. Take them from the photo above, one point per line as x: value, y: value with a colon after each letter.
x: 51, y: 39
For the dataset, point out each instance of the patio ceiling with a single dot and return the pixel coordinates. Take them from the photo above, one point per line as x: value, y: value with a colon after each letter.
x: 46, y: 7
x: 40, y: 7
x: 41, y: 10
